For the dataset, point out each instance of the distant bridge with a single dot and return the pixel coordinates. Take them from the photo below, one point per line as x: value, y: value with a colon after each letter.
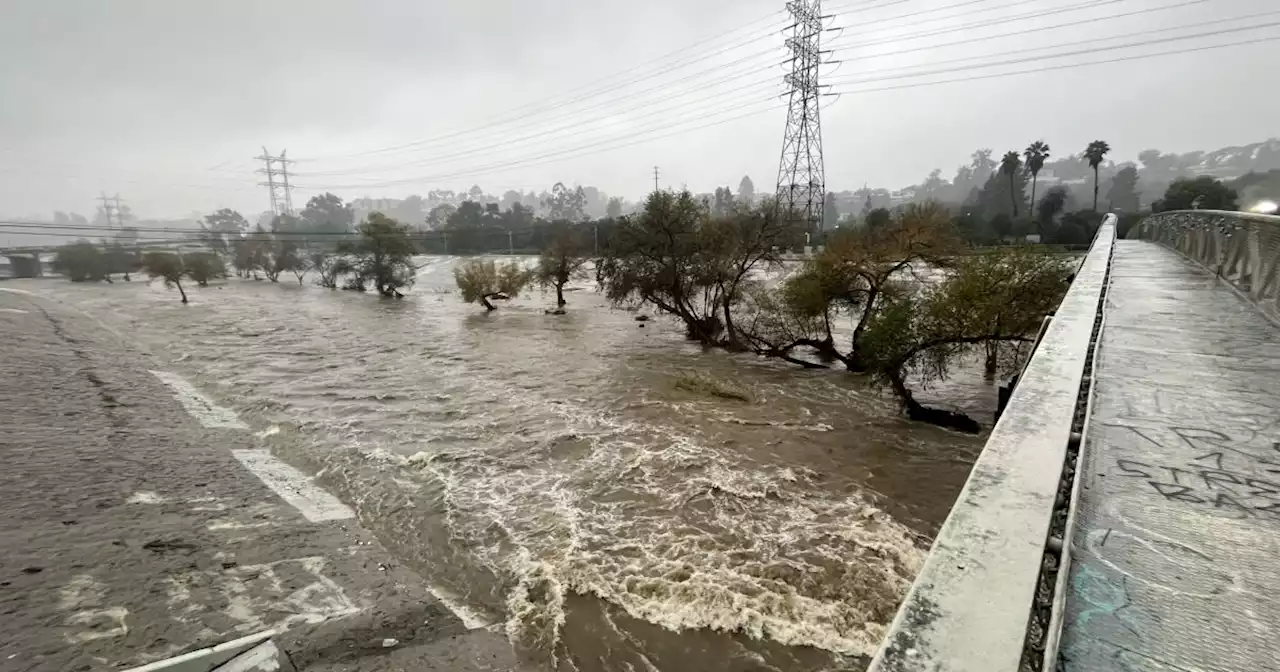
x: 1125, y: 511
x: 30, y: 260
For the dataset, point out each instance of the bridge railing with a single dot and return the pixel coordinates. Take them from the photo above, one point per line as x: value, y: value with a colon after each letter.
x: 985, y: 594
x: 1242, y: 248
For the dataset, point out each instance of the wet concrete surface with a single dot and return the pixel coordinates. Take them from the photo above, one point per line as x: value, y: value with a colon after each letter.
x: 132, y: 534
x: 1174, y: 561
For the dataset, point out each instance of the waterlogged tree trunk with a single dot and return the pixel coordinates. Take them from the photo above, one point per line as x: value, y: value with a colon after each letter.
x: 484, y: 301
x: 993, y: 354
x: 180, y: 290
x: 921, y: 413
x: 560, y: 294
x: 733, y: 340
x: 855, y: 361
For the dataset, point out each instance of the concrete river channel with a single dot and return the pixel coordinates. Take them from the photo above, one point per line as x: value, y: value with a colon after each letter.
x: 550, y: 478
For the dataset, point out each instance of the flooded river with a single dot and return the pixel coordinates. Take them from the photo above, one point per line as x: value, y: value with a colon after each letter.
x: 547, y: 476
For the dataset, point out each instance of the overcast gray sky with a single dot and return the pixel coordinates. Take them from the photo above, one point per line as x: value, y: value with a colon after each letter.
x: 166, y: 101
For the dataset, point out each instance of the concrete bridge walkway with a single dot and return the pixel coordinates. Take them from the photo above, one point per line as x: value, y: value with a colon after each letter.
x: 1176, y: 547
x: 1124, y: 514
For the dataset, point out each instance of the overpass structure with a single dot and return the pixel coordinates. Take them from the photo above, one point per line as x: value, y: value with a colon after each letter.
x: 1125, y: 511
x: 30, y: 261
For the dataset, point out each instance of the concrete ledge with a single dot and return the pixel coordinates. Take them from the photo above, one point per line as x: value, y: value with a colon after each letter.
x: 254, y: 653
x: 969, y: 609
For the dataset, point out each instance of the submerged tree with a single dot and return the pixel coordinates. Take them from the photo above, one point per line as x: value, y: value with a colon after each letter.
x: 82, y: 261
x: 328, y: 265
x: 674, y: 256
x: 168, y: 266
x: 856, y: 273
x: 994, y: 297
x: 279, y: 255
x: 122, y: 260
x: 481, y: 280
x: 563, y: 259
x: 203, y: 267
x: 383, y: 255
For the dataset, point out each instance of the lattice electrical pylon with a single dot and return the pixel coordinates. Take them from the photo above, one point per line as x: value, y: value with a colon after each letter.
x: 277, y: 184
x: 801, y: 180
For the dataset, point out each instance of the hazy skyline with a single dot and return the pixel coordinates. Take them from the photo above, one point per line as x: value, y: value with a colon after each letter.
x: 166, y: 102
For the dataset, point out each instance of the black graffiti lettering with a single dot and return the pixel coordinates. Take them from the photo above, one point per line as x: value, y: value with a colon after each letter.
x: 1219, y: 480
x: 1227, y: 501
x: 1216, y: 457
x: 1130, y: 468
x: 1262, y: 488
x: 1137, y: 431
x: 1199, y: 438
x: 1271, y: 510
x: 1175, y: 492
x: 1173, y: 473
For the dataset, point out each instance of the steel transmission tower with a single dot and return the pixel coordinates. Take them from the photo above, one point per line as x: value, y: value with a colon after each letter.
x: 113, y: 210
x: 801, y: 180
x: 277, y: 184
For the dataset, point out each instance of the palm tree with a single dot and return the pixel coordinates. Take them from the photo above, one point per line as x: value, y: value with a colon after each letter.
x: 1093, y: 154
x: 1036, y: 154
x: 1009, y: 165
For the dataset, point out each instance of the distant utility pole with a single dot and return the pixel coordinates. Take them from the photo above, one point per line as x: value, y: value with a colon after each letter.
x: 277, y: 184
x: 801, y: 181
x: 655, y: 178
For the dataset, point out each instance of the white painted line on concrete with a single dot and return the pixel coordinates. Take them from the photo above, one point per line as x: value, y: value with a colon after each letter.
x: 13, y: 310
x: 264, y: 657
x: 208, y: 658
x: 199, y: 406
x: 293, y: 486
x: 470, y: 618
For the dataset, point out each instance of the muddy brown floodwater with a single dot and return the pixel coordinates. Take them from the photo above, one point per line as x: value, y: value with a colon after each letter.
x: 546, y: 476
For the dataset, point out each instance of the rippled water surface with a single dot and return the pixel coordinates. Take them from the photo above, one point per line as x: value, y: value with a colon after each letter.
x: 546, y: 475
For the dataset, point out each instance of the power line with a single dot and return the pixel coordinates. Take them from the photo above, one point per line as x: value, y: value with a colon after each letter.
x: 1153, y: 31
x: 932, y: 10
x: 595, y: 92
x: 578, y: 151
x: 488, y: 142
x: 1078, y: 52
x: 553, y: 156
x: 545, y: 104
x: 575, y: 126
x: 718, y: 105
x: 1037, y: 29
x: 1064, y: 66
x: 979, y: 24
